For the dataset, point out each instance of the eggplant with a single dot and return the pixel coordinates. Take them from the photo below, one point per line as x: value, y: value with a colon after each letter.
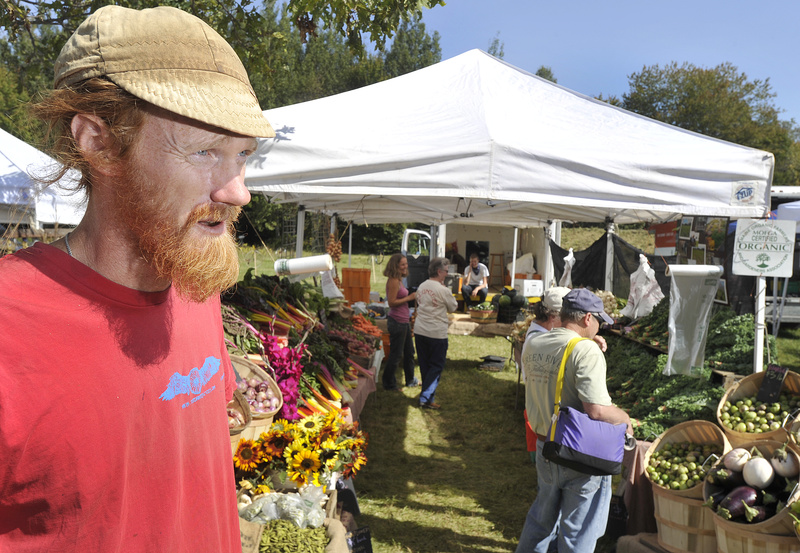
x: 732, y: 506
x: 726, y: 478
x: 754, y: 514
x: 715, y: 498
x: 779, y: 483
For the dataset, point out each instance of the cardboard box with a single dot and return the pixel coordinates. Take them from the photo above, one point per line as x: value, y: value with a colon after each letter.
x: 529, y: 287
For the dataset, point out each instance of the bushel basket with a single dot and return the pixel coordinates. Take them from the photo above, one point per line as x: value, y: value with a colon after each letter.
x: 748, y: 387
x: 261, y: 422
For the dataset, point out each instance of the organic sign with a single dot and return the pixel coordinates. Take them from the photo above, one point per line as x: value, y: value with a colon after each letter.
x: 764, y: 248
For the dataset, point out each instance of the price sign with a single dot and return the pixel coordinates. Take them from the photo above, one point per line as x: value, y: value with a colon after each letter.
x: 362, y: 540
x: 771, y: 386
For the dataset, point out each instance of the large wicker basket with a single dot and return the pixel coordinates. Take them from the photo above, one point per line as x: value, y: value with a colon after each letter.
x: 696, y: 432
x: 779, y: 524
x: 261, y: 422
x: 748, y: 387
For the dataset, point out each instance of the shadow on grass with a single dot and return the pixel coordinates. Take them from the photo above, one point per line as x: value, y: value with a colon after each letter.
x: 458, y: 479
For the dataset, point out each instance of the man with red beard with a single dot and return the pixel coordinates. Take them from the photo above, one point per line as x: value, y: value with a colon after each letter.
x: 114, y: 376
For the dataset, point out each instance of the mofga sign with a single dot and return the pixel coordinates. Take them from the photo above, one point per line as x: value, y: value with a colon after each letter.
x: 764, y: 248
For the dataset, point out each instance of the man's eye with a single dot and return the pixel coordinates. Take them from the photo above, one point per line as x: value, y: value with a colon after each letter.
x: 202, y: 152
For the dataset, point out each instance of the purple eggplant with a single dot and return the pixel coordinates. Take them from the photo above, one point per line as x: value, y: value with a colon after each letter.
x: 715, y: 498
x: 732, y: 507
x: 726, y: 478
x: 754, y: 514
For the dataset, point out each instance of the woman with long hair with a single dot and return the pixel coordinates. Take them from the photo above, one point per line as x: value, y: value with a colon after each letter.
x: 398, y: 323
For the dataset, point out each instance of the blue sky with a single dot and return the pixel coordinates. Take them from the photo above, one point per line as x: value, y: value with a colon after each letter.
x: 593, y: 46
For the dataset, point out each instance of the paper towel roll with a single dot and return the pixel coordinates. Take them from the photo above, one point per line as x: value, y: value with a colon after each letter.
x: 313, y: 264
x: 694, y: 270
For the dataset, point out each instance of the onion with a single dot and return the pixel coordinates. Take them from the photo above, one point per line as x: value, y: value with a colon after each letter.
x: 758, y: 472
x: 242, y: 385
x: 250, y: 393
x: 253, y: 382
x: 261, y: 396
x: 262, y: 386
x: 736, y: 459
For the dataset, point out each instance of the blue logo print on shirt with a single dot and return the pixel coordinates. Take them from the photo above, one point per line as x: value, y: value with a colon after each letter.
x: 193, y: 382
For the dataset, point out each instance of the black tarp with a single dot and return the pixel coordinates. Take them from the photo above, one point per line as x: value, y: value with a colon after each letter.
x: 590, y: 269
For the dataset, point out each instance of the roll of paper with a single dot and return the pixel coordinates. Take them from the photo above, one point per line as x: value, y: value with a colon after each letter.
x: 694, y: 270
x: 299, y: 265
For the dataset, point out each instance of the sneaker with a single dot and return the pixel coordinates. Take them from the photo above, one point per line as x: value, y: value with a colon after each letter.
x: 413, y: 383
x: 430, y: 405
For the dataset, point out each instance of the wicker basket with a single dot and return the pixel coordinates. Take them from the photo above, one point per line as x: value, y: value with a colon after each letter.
x: 696, y: 432
x: 684, y: 524
x: 742, y: 538
x: 483, y: 317
x: 779, y: 524
x: 260, y: 421
x: 748, y: 387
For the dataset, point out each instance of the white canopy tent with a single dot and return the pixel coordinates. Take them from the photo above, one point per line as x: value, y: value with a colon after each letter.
x: 21, y: 198
x: 475, y: 140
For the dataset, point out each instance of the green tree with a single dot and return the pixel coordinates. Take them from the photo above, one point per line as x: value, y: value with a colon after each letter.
x: 413, y: 48
x: 496, y: 47
x: 546, y: 72
x: 722, y: 103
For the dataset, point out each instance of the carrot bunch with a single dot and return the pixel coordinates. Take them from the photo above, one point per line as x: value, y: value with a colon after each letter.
x: 360, y: 322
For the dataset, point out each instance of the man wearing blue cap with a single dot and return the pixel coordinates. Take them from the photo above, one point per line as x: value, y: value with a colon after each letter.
x: 568, y: 503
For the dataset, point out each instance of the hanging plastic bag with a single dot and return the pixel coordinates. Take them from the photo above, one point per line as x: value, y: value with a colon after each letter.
x: 645, y: 292
x: 566, y: 278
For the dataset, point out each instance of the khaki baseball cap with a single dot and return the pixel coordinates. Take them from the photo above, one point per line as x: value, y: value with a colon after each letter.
x: 169, y: 58
x: 553, y: 297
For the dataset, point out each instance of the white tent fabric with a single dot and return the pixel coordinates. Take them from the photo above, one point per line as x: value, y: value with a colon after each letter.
x: 21, y: 197
x: 475, y: 140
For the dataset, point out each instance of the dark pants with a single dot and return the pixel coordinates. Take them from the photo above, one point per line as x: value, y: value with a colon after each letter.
x: 466, y: 292
x: 432, y: 354
x: 401, y: 344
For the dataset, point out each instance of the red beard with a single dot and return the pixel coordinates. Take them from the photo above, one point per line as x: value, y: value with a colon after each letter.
x: 198, y: 267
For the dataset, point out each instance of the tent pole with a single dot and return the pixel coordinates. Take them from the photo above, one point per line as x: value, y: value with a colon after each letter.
x: 514, y: 257
x: 609, y: 281
x: 301, y: 227
x: 758, y: 346
x: 350, y: 247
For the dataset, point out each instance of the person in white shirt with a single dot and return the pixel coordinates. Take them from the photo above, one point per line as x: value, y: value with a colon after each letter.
x: 434, y: 302
x: 476, y: 282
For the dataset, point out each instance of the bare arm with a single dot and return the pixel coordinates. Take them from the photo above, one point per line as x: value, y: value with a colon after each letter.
x: 601, y: 342
x: 392, y: 288
x: 608, y: 413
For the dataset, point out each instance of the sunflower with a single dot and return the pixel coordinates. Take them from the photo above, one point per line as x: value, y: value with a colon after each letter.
x: 247, y: 455
x: 293, y: 449
x: 311, y: 425
x: 299, y: 477
x: 276, y: 442
x: 329, y: 452
x: 306, y: 460
x: 261, y: 489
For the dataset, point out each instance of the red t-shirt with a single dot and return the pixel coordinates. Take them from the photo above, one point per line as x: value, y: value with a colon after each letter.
x: 113, y: 430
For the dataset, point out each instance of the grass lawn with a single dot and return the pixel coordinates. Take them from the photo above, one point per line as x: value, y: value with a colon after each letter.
x: 459, y: 479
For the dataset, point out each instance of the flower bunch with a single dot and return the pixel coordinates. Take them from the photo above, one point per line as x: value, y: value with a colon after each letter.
x: 288, y: 368
x: 306, y: 452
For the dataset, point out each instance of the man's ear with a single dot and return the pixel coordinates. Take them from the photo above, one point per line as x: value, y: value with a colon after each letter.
x: 95, y: 141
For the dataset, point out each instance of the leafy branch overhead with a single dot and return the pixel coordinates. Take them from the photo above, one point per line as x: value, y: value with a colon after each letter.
x: 350, y: 18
